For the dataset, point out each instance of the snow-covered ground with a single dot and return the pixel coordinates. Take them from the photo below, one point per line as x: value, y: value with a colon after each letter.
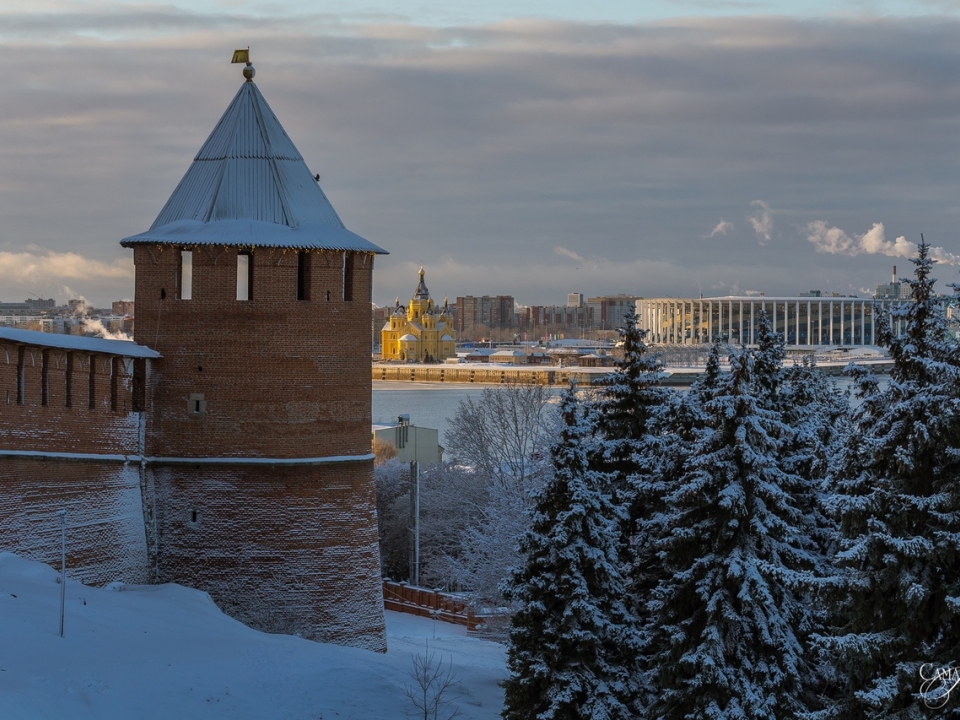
x: 158, y: 652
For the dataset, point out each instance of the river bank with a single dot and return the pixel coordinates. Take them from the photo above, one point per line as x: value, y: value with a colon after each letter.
x: 552, y: 375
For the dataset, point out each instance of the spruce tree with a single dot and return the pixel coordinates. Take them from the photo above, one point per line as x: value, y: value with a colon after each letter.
x: 729, y: 612
x: 768, y: 373
x: 629, y: 409
x: 898, y: 498
x: 640, y: 446
x: 573, y: 644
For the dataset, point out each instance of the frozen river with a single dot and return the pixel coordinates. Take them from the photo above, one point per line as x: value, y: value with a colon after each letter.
x: 430, y: 404
x: 427, y: 404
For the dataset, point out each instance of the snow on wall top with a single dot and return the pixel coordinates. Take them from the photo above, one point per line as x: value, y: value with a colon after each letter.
x: 77, y: 342
x: 249, y: 186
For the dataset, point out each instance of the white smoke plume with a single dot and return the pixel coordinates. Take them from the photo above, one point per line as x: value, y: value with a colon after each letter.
x: 762, y: 221
x: 834, y: 241
x: 94, y: 327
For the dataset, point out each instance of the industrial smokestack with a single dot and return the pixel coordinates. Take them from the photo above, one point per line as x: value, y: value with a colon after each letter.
x: 894, y: 273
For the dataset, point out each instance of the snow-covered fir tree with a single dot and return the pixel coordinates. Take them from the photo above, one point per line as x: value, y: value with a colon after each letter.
x: 768, y: 372
x: 635, y: 446
x: 639, y: 445
x: 573, y: 643
x: 629, y: 410
x: 702, y: 388
x: 818, y: 415
x: 898, y: 499
x: 729, y: 614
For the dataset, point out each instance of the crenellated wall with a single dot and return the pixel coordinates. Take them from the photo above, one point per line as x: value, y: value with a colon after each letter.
x: 82, y: 457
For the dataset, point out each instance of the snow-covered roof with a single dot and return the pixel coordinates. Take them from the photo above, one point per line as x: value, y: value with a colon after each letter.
x: 249, y: 186
x: 446, y: 337
x: 408, y: 337
x: 77, y: 342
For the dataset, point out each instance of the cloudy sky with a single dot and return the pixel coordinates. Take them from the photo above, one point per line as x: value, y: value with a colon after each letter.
x: 524, y: 147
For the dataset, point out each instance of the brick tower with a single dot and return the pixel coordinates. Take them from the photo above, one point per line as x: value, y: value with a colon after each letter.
x: 259, y: 475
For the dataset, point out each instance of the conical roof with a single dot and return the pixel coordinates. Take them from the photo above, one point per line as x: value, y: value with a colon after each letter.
x: 421, y: 293
x: 249, y: 186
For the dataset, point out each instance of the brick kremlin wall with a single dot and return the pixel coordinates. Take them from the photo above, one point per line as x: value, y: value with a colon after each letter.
x: 283, y: 549
x: 106, y: 538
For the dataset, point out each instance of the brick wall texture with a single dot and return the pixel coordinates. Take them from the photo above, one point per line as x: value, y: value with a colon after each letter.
x: 287, y: 547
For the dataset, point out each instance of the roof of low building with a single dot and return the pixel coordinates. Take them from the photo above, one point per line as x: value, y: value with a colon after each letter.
x: 126, y: 348
x: 248, y: 186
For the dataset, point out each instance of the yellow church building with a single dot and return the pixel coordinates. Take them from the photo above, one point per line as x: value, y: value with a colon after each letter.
x: 420, y: 332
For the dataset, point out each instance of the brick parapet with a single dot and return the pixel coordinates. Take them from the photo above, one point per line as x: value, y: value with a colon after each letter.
x: 34, y: 423
x: 279, y: 377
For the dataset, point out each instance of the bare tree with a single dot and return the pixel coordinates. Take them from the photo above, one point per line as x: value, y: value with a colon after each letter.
x: 451, y: 498
x: 472, y: 509
x: 505, y: 434
x: 431, y: 689
x: 504, y: 437
x: 392, y: 482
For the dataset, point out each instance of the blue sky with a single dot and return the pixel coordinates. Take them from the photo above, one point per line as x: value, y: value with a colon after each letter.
x: 532, y: 149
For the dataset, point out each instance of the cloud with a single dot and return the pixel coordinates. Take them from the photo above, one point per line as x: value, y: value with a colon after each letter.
x: 494, y: 144
x: 834, y: 241
x: 45, y: 271
x: 568, y: 253
x: 722, y: 228
x: 761, y: 221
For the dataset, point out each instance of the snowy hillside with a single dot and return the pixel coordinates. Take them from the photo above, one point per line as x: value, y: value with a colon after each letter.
x: 153, y: 652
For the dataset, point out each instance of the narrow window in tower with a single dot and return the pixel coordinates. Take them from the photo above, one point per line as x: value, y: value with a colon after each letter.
x: 21, y: 356
x: 370, y: 281
x: 139, y: 384
x: 196, y: 405
x: 68, y: 381
x: 45, y: 378
x: 185, y: 275
x: 114, y: 383
x: 92, y: 388
x: 347, y: 276
x: 303, y: 276
x: 245, y: 276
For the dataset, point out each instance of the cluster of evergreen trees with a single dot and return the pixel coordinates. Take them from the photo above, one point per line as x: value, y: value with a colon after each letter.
x: 762, y: 546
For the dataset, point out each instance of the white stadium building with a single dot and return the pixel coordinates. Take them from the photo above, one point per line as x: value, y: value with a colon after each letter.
x: 803, y: 321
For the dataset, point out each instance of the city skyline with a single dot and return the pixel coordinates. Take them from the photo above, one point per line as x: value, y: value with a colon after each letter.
x: 656, y: 154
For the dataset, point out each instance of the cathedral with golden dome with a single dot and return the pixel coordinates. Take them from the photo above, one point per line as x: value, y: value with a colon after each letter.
x: 419, y: 332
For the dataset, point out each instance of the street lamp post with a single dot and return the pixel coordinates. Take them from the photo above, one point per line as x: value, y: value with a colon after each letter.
x: 62, y: 514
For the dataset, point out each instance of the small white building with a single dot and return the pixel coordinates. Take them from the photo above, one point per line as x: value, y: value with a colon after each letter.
x: 413, y: 444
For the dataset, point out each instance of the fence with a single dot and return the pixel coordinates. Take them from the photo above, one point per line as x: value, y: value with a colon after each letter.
x: 428, y: 603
